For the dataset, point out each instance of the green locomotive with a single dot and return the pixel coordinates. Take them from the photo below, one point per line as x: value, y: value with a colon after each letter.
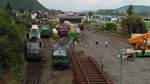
x: 61, y: 54
x: 46, y: 31
x: 60, y: 57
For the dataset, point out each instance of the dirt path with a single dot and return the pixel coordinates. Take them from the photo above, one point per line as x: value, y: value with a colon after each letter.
x: 134, y: 72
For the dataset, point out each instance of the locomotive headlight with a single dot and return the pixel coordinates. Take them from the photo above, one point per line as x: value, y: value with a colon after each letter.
x: 67, y: 46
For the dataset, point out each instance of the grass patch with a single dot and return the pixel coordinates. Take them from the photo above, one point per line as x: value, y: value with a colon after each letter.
x: 121, y: 33
x: 148, y: 25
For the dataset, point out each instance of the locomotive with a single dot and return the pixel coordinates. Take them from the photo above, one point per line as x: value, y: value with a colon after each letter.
x: 34, y: 32
x: 33, y: 50
x: 46, y: 31
x: 61, y: 54
x: 33, y: 45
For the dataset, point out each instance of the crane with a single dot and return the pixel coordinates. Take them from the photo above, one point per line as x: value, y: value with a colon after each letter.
x: 140, y: 41
x: 141, y: 47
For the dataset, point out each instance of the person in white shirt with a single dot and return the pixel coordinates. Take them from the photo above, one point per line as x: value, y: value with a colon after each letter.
x: 106, y: 44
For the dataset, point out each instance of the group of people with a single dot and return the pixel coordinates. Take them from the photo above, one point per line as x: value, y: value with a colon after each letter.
x: 97, y: 44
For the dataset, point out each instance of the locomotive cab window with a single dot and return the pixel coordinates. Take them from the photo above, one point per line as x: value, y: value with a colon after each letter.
x: 34, y: 32
x: 59, y: 52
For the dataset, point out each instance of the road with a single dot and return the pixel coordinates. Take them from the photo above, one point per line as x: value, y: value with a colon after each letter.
x: 135, y: 71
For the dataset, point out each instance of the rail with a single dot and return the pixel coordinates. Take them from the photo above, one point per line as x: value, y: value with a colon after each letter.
x: 87, y: 71
x: 34, y: 71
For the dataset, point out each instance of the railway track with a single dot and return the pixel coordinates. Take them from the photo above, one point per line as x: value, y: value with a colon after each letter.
x: 34, y: 72
x: 87, y: 71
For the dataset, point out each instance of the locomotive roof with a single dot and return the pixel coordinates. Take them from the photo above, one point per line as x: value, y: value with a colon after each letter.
x: 60, y: 47
x: 45, y: 27
x: 35, y: 27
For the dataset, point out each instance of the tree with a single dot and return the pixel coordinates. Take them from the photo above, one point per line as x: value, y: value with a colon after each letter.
x: 8, y: 7
x: 130, y: 10
x: 111, y: 26
x: 24, y: 20
x: 11, y: 45
x: 90, y: 14
x: 133, y: 24
x: 82, y: 14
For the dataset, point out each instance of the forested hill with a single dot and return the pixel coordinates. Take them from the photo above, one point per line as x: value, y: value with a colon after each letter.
x: 139, y: 9
x: 23, y: 4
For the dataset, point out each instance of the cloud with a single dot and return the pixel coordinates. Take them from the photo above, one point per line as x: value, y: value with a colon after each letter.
x: 90, y: 4
x: 108, y: 4
x: 136, y: 2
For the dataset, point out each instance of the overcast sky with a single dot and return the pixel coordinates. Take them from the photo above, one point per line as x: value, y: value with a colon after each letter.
x: 79, y: 5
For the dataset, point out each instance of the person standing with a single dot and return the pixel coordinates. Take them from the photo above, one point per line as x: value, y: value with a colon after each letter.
x: 106, y: 44
x: 97, y: 43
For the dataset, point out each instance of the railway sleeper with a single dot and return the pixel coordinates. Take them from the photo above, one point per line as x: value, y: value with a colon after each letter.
x: 95, y: 82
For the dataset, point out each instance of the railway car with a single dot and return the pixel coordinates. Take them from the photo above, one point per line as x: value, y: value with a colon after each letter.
x: 46, y: 31
x: 63, y: 30
x: 33, y: 50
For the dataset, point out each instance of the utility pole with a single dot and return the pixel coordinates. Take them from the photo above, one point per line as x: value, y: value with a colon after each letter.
x: 121, y: 68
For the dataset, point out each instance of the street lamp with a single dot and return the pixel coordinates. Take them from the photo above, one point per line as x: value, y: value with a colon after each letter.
x: 121, y: 69
x: 121, y: 61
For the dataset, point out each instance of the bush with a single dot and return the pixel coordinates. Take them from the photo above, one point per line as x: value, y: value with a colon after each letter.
x: 111, y: 26
x: 133, y: 24
x: 100, y: 27
x: 147, y: 25
x: 107, y: 27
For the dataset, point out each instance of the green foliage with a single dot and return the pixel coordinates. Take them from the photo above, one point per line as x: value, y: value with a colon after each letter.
x: 130, y: 10
x: 11, y: 44
x: 4, y: 43
x: 147, y: 25
x: 8, y: 7
x: 133, y: 24
x: 24, y: 20
x: 88, y: 22
x: 5, y: 17
x: 138, y: 9
x: 100, y: 27
x: 23, y: 4
x: 90, y: 13
x: 107, y: 27
x: 111, y: 26
x: 52, y: 24
x: 108, y: 12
